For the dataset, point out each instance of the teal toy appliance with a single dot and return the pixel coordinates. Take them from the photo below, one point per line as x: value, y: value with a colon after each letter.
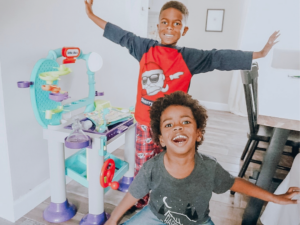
x: 95, y: 147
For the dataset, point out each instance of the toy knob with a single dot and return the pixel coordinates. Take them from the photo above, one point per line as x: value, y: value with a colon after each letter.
x: 24, y: 84
x: 114, y: 185
x: 99, y: 93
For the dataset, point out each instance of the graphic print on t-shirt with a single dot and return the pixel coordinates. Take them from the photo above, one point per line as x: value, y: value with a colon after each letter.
x: 154, y: 81
x: 171, y: 217
x: 162, y: 71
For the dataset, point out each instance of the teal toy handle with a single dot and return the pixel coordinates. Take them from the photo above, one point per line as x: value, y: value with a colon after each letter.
x: 54, y: 54
x: 58, y: 52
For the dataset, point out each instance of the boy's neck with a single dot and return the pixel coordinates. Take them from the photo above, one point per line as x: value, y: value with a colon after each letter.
x: 179, y: 166
x: 180, y: 160
x: 169, y: 45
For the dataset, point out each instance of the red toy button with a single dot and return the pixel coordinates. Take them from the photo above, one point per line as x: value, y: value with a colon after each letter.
x: 70, y: 53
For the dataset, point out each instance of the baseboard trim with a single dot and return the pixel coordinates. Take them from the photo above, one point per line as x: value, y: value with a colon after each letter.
x: 7, y: 213
x: 32, y: 199
x: 215, y: 106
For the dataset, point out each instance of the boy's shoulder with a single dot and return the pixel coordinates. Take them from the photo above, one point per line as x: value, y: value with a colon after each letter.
x: 207, y: 159
x: 153, y: 162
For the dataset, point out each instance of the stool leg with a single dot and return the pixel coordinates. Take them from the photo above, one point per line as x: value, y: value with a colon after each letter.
x: 129, y: 157
x: 60, y: 209
x: 246, y: 148
x: 96, y: 215
x: 295, y: 151
x: 247, y: 161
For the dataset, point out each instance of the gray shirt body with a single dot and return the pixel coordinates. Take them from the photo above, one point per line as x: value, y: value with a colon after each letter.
x: 181, y: 201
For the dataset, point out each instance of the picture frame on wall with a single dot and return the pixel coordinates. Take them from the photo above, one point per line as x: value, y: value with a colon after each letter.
x: 214, y: 20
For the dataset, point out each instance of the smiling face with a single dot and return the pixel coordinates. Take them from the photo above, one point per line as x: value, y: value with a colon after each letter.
x: 179, y: 131
x: 171, y: 26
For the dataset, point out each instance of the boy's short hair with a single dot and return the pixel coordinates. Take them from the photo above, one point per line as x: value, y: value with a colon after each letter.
x: 177, y: 98
x: 176, y: 5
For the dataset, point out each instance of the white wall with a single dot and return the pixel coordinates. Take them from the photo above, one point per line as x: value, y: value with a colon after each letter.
x: 265, y: 17
x: 6, y: 194
x: 29, y: 29
x: 213, y: 87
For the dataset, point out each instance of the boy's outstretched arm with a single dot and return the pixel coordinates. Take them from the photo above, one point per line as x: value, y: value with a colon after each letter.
x: 118, y: 212
x: 89, y: 11
x: 245, y: 187
x: 271, y: 42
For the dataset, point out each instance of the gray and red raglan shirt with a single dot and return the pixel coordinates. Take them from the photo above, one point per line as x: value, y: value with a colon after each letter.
x: 165, y: 69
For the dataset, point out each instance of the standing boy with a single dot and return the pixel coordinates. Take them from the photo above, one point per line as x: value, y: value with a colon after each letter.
x: 166, y: 68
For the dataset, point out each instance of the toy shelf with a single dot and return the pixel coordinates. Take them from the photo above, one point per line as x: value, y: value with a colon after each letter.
x: 76, y: 168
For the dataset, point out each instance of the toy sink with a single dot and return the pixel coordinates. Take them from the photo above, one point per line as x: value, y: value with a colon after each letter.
x: 112, y: 130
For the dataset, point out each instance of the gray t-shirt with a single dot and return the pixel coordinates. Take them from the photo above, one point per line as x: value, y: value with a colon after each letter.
x: 181, y: 201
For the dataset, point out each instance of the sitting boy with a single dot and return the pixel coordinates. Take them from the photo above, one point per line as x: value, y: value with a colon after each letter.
x: 166, y: 67
x: 181, y: 180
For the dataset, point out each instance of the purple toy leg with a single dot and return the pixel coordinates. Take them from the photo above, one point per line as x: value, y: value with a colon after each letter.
x: 91, y: 219
x: 59, y: 212
x: 125, y: 183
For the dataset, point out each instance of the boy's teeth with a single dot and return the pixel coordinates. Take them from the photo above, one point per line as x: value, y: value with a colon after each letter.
x: 179, y: 136
x: 168, y: 35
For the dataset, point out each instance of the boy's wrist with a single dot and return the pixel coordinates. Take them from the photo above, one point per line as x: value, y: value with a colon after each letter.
x: 90, y: 14
x: 114, y: 218
x: 262, y: 52
x: 257, y: 55
x: 273, y: 198
x: 111, y: 220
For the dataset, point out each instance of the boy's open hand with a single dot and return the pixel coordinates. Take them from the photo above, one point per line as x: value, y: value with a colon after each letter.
x: 88, y: 7
x: 271, y: 42
x: 89, y: 11
x: 286, y: 198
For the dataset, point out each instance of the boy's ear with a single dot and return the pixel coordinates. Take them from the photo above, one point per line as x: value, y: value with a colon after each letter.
x: 199, y: 135
x: 162, y: 143
x: 185, y: 29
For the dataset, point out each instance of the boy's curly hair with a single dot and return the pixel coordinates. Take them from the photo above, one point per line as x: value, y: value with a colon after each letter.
x: 176, y: 5
x: 177, y: 98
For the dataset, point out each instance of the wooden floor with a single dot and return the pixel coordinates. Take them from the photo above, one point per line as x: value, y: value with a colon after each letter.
x: 225, y: 139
